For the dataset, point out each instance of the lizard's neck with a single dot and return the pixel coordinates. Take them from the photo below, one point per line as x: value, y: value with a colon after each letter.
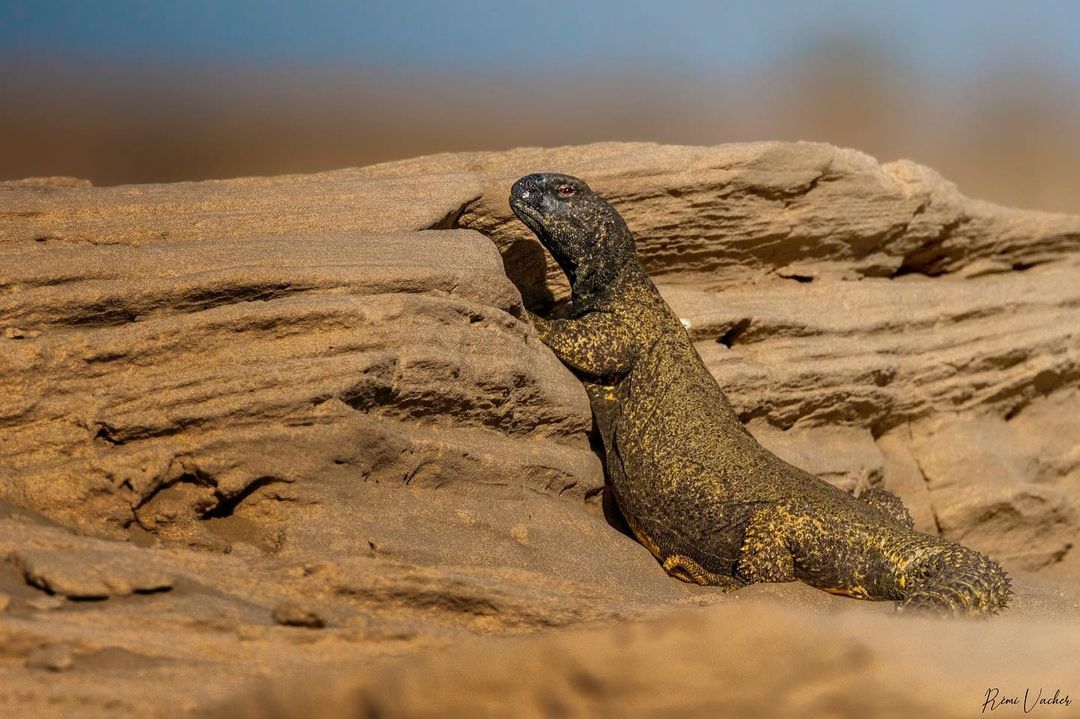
x: 593, y: 285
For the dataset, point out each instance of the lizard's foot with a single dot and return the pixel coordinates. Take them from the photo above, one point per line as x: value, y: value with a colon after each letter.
x: 766, y: 552
x: 958, y: 580
x: 682, y: 567
x: 888, y: 504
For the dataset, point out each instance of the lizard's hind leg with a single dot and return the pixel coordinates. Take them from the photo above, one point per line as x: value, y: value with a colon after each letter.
x: 888, y: 504
x: 766, y: 554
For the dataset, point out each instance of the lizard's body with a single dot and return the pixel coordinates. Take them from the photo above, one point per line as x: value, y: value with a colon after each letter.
x: 712, y: 504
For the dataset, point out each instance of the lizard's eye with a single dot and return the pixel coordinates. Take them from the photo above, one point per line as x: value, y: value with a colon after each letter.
x: 566, y: 191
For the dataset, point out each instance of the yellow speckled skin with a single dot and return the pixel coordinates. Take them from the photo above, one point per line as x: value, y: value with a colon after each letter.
x: 713, y: 505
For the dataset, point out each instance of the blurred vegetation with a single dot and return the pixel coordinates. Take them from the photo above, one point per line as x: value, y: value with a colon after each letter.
x: 1008, y: 136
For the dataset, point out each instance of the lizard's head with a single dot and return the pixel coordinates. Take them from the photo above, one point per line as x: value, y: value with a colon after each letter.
x: 576, y: 225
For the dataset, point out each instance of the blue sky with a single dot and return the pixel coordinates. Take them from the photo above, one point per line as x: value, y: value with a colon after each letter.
x: 947, y: 38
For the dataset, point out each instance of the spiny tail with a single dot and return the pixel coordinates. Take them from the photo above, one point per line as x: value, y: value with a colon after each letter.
x: 958, y: 580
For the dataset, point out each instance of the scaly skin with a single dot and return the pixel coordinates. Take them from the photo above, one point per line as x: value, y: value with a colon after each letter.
x: 713, y: 505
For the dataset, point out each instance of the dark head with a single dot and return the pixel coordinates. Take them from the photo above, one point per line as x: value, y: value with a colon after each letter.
x: 584, y: 234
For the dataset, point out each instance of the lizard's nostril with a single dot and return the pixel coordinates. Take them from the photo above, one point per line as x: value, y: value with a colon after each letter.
x: 524, y: 187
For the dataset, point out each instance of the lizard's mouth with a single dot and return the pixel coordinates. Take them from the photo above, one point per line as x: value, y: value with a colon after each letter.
x: 527, y: 214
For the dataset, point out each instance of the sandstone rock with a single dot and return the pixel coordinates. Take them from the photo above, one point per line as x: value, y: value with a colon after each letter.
x: 345, y: 201
x: 45, y: 604
x: 173, y: 381
x: 53, y: 658
x: 200, y: 642
x: 843, y: 455
x: 295, y: 392
x: 1009, y: 487
x: 90, y: 574
x: 728, y: 213
x: 901, y: 475
x: 893, y: 350
x: 293, y: 614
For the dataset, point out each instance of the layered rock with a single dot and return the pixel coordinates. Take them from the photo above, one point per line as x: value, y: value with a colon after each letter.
x: 313, y: 407
x: 155, y: 385
x: 728, y: 214
x: 844, y: 303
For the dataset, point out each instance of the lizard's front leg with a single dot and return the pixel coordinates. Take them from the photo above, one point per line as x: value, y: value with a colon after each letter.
x: 598, y: 345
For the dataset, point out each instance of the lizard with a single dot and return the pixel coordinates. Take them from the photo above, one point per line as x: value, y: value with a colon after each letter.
x: 712, y: 504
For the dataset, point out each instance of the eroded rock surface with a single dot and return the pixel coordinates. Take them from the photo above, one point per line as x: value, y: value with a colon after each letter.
x: 727, y: 214
x: 318, y: 393
x: 165, y: 384
x: 82, y: 573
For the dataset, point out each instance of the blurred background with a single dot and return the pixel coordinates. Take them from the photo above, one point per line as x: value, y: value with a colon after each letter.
x: 986, y: 92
